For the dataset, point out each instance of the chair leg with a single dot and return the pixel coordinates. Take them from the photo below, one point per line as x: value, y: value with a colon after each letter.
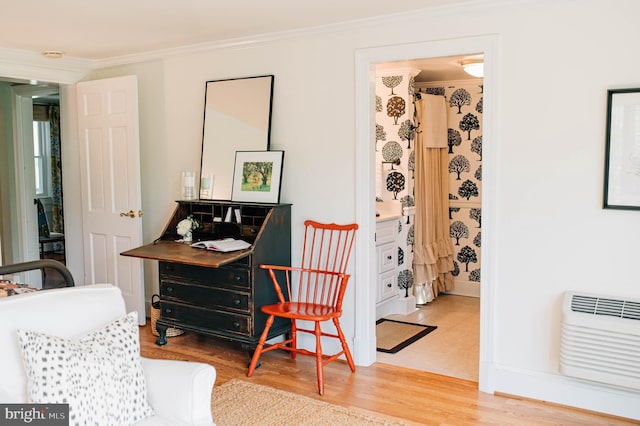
x: 345, y: 347
x: 294, y: 342
x: 319, y: 366
x: 258, y: 351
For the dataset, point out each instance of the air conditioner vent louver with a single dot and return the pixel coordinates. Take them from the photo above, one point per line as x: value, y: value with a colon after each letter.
x: 604, y: 306
x: 600, y: 339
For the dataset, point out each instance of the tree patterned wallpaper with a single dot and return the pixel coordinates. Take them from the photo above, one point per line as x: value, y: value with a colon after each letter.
x: 394, y: 167
x: 394, y: 158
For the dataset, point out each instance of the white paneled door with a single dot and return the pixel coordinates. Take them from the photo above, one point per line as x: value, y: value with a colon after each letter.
x: 110, y: 185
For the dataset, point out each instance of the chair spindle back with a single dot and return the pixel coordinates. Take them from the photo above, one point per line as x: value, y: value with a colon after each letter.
x: 327, y: 247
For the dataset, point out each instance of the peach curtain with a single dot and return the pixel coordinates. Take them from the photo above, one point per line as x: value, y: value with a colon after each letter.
x: 433, y: 250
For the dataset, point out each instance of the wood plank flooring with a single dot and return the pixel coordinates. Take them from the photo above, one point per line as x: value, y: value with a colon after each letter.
x: 386, y: 390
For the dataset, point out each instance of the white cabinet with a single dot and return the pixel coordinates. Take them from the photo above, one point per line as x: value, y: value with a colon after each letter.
x: 387, y: 261
x: 386, y: 285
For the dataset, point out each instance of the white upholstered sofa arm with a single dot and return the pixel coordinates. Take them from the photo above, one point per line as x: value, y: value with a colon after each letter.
x: 180, y: 390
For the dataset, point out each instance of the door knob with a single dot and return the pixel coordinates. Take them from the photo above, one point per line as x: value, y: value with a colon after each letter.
x: 132, y: 214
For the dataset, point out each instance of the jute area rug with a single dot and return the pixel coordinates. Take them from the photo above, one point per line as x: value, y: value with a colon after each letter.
x: 239, y: 403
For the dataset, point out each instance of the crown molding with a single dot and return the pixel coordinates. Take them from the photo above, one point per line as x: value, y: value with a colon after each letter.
x: 33, y: 66
x: 26, y: 65
x: 359, y: 24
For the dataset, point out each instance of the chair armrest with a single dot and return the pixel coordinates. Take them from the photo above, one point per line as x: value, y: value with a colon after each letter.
x: 298, y: 269
x: 40, y: 264
x: 286, y: 273
x: 180, y: 390
x: 278, y: 267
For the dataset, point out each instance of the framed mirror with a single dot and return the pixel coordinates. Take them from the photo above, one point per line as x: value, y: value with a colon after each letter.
x: 237, y: 117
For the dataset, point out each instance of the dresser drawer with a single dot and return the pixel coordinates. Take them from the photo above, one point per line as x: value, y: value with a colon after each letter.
x: 387, y: 255
x: 207, y: 297
x: 222, y: 277
x: 386, y: 285
x: 210, y: 319
x: 386, y: 232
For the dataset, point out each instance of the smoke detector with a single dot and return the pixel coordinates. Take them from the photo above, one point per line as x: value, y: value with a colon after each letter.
x: 53, y: 54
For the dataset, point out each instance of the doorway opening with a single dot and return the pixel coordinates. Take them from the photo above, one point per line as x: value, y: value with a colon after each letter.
x: 366, y: 61
x: 32, y: 177
x: 452, y: 349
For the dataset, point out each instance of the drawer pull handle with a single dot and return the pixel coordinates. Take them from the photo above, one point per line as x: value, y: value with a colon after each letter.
x: 389, y: 285
x: 389, y: 257
x: 236, y: 301
x: 236, y: 324
x: 167, y: 310
x: 169, y: 289
x: 237, y: 277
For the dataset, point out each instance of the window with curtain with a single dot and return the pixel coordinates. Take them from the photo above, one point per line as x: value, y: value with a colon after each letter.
x: 48, y: 161
x: 42, y: 157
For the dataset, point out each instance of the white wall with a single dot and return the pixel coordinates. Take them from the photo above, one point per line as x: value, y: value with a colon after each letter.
x: 555, y: 61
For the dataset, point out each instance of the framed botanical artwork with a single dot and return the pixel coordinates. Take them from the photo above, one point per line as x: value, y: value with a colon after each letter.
x: 622, y: 154
x: 257, y: 176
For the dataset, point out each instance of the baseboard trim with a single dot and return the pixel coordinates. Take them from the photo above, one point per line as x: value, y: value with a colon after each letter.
x: 569, y: 392
x: 554, y: 404
x: 465, y: 288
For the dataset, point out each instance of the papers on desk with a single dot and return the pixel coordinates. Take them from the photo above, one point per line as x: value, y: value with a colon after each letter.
x: 224, y: 245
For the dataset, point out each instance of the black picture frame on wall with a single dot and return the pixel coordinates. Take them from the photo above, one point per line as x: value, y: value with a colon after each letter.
x: 622, y: 153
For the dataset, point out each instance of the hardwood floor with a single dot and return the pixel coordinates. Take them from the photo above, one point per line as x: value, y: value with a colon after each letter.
x: 386, y: 390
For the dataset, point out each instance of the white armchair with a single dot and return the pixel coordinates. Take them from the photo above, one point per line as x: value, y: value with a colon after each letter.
x: 179, y: 392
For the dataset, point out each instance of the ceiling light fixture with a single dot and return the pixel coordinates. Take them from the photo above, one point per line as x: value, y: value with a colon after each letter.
x: 473, y: 67
x: 54, y: 54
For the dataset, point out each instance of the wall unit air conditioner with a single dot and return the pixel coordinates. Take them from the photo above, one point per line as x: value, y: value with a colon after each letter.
x: 600, y: 339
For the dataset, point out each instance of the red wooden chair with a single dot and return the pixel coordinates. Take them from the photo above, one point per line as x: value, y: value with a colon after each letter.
x: 314, y: 293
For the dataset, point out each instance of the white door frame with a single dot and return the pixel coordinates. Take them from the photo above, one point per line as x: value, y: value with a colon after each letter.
x: 74, y: 245
x: 366, y: 59
x: 27, y: 222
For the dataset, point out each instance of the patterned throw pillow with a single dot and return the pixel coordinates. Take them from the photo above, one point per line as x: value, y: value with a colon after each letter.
x: 99, y: 375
